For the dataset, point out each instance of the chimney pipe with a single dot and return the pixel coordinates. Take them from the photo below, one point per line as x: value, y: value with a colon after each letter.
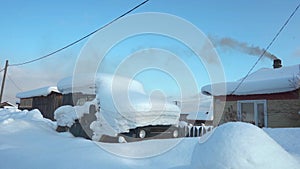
x: 277, y: 63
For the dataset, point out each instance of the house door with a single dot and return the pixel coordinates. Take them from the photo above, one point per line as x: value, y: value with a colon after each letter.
x: 253, y: 111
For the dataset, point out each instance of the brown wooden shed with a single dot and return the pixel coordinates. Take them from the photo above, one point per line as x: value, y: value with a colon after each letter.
x: 45, y: 99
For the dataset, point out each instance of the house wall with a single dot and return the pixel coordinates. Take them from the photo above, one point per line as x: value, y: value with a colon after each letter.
x: 224, y: 111
x: 77, y: 98
x: 45, y: 104
x: 283, y: 113
x: 282, y: 108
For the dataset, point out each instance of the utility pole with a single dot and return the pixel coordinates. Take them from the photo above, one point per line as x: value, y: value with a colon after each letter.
x: 3, y: 80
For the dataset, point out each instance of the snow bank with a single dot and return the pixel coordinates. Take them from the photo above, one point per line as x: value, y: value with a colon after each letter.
x: 241, y: 145
x: 13, y: 115
x: 282, y: 79
x: 124, y: 105
x: 28, y: 141
x: 66, y: 115
x: 288, y: 138
x: 44, y: 91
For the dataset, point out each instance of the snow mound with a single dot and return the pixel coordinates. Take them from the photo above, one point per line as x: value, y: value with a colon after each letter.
x: 288, y: 138
x: 241, y: 145
x: 11, y: 115
x: 66, y: 115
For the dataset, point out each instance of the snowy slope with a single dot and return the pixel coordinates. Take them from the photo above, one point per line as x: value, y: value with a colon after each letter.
x: 242, y: 145
x: 29, y: 141
x: 288, y: 138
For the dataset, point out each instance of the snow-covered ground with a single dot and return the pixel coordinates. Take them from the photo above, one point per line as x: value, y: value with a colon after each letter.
x: 29, y: 141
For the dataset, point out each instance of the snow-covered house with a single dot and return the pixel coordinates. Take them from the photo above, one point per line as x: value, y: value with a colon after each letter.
x: 46, y: 99
x: 6, y: 104
x: 267, y: 98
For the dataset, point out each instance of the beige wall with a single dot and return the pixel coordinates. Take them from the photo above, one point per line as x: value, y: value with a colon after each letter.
x: 281, y: 113
x: 224, y: 112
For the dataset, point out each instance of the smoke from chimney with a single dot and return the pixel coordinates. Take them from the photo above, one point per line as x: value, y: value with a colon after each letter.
x: 241, y: 47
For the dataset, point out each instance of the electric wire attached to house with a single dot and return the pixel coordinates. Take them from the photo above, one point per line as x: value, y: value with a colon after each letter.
x: 80, y: 39
x: 267, y: 48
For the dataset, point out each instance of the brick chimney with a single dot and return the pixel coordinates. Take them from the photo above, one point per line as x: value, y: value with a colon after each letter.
x: 277, y: 63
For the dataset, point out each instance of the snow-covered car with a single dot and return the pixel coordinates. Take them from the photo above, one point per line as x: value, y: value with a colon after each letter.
x: 124, y: 112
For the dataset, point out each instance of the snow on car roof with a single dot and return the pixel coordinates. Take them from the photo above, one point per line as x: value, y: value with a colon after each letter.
x: 44, y: 91
x: 86, y: 83
x: 263, y: 81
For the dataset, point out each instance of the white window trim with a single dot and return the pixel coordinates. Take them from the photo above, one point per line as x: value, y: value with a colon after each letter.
x: 239, y: 113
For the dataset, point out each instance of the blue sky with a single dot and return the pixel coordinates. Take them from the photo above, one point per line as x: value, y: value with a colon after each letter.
x: 30, y: 29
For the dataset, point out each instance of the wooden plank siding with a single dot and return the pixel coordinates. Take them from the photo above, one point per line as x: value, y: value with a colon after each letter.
x: 45, y: 104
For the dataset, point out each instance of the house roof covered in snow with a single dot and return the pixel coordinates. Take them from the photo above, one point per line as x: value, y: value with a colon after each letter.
x: 44, y: 91
x: 263, y: 81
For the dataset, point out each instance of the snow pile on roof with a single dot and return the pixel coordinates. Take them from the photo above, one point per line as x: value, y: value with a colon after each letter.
x: 124, y: 105
x: 241, y: 145
x: 66, y: 115
x: 199, y: 115
x: 85, y: 83
x: 44, y: 91
x: 282, y: 79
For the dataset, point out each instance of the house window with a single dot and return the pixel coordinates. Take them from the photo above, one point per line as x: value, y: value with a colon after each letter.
x: 26, y: 103
x: 253, y: 111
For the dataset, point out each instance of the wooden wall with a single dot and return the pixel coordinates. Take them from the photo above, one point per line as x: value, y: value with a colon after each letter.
x: 45, y: 104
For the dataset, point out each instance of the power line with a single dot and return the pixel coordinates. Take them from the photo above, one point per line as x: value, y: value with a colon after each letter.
x: 2, y: 69
x: 267, y: 48
x: 80, y: 39
x: 14, y: 83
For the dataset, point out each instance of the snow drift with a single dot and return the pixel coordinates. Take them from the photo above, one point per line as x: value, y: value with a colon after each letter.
x: 241, y: 145
x: 13, y: 115
x: 29, y: 141
x: 66, y: 115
